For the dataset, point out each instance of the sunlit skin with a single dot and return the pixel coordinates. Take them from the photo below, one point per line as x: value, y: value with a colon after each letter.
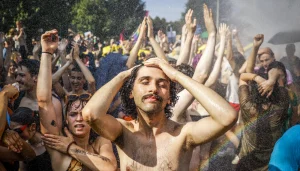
x: 25, y: 80
x: 145, y: 87
x: 153, y: 136
x: 77, y: 81
x: 265, y: 60
x: 76, y: 125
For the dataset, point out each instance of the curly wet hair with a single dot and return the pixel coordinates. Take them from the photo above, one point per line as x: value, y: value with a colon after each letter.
x: 128, y: 105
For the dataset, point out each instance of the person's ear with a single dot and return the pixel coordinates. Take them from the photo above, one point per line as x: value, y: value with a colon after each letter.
x: 130, y: 95
x: 35, y: 78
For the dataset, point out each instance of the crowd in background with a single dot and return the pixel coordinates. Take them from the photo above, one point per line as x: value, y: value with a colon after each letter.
x: 43, y: 93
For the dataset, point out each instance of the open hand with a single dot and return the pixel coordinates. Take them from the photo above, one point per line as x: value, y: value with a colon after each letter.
x: 266, y: 87
x: 163, y: 65
x: 13, y: 141
x: 150, y: 27
x: 57, y: 142
x: 75, y: 51
x: 49, y: 41
x: 208, y: 19
x: 223, y: 29
x: 190, y: 25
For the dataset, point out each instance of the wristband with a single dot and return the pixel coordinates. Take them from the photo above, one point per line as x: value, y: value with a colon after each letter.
x: 48, y: 53
x: 68, y: 148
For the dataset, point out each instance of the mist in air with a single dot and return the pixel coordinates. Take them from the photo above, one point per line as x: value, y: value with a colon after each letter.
x: 267, y: 17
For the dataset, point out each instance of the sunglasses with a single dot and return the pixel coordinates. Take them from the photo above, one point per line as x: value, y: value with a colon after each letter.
x: 21, y: 129
x: 74, y: 97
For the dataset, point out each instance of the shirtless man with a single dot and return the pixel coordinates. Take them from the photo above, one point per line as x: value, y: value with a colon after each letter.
x: 153, y: 141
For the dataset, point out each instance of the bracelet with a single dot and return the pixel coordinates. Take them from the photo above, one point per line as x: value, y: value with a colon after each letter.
x: 68, y: 148
x: 48, y: 53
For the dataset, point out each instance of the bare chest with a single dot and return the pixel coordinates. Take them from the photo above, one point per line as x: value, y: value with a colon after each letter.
x: 32, y: 104
x: 159, y: 153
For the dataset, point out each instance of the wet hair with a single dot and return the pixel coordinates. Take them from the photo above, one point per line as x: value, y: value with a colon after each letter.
x: 93, y: 135
x: 239, y: 60
x: 32, y: 65
x: 76, y: 68
x: 23, y: 116
x: 186, y: 70
x: 128, y: 105
x: 274, y: 98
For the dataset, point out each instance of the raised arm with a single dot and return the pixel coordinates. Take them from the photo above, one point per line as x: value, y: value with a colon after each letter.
x: 217, y: 67
x: 44, y: 85
x: 95, y: 111
x: 258, y: 40
x: 157, y: 49
x: 87, y: 74
x: 203, y: 66
x: 8, y: 55
x: 191, y: 28
x: 56, y: 76
x: 229, y: 53
x: 246, y: 77
x: 274, y: 76
x: 183, y: 37
x: 237, y: 41
x: 35, y: 50
x: 135, y: 50
x: 223, y: 116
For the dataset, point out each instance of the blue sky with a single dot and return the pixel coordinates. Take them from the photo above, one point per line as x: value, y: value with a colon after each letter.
x: 169, y: 9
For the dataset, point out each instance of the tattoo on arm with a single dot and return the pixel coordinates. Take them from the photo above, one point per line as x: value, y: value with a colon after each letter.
x: 53, y: 123
x: 82, y: 152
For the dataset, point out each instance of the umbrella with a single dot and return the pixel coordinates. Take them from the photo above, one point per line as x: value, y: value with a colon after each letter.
x: 285, y: 37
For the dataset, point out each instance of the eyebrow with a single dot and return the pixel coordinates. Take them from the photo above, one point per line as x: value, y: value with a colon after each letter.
x: 148, y: 77
x: 144, y: 78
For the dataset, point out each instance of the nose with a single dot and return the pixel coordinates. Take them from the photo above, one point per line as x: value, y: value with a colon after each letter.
x: 153, y: 87
x: 79, y: 117
x: 18, y: 78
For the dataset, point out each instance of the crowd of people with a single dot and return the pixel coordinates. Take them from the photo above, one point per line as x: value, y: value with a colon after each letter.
x: 146, y: 103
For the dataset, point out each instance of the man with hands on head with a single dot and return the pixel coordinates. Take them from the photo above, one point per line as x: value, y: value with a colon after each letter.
x: 76, y: 150
x: 153, y: 141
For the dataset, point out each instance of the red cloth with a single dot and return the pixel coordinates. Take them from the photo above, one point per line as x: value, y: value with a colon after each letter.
x: 235, y: 106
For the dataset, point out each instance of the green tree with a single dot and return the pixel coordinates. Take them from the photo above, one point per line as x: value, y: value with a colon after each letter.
x: 107, y: 19
x: 197, y: 6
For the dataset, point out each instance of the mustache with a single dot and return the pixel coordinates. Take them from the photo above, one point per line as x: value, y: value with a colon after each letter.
x: 152, y: 95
